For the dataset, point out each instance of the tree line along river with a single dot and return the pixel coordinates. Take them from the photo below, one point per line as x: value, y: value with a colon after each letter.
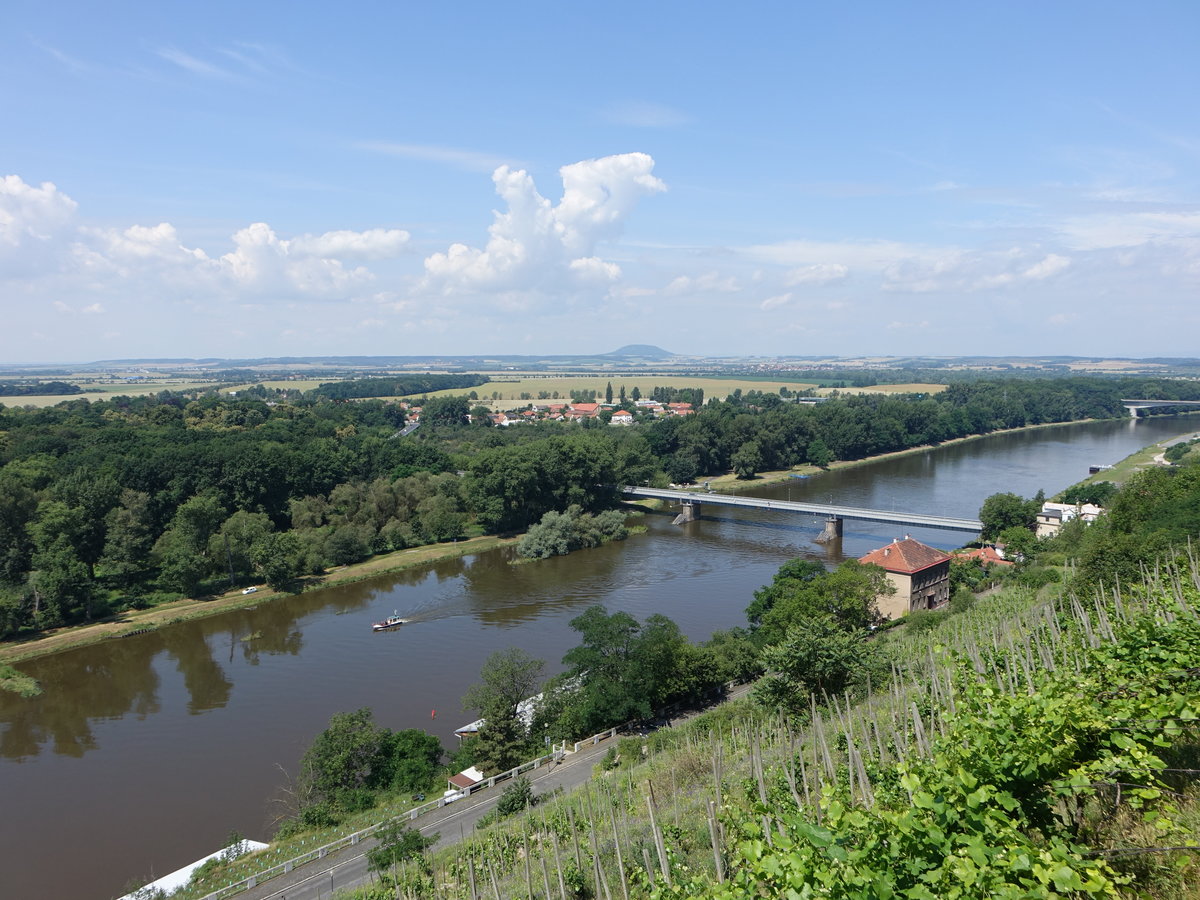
x: 143, y: 753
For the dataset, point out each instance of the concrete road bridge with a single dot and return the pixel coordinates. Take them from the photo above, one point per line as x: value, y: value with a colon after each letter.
x: 1134, y: 405
x: 834, y: 515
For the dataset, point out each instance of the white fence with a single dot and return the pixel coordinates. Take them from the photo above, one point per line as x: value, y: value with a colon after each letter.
x: 349, y: 840
x: 557, y: 752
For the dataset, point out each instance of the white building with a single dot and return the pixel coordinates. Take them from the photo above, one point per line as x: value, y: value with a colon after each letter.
x: 1055, y: 515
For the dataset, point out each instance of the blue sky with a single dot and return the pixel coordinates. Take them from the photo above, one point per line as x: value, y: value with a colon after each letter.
x: 232, y: 179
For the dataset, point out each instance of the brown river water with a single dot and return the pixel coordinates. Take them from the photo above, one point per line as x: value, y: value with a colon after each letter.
x: 143, y: 753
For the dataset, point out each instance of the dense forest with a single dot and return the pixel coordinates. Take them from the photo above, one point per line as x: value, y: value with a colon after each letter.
x: 36, y: 388
x: 134, y: 500
x: 398, y: 386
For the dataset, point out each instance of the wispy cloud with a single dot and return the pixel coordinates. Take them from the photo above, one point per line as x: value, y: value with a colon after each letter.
x: 70, y: 62
x: 471, y: 160
x: 643, y: 114
x: 191, y: 64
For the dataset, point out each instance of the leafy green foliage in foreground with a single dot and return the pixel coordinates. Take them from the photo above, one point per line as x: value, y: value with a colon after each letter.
x: 1011, y: 801
x: 1022, y: 749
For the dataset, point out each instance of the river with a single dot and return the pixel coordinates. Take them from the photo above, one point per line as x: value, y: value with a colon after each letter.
x: 145, y: 752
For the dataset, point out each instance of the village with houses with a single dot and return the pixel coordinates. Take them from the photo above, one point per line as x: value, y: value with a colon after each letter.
x: 573, y: 411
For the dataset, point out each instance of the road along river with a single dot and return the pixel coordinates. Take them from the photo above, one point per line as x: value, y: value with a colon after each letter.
x: 145, y: 752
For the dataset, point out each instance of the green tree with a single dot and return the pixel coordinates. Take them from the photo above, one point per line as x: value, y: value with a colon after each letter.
x: 623, y: 669
x: 517, y: 797
x: 747, y: 460
x: 345, y: 763
x: 62, y: 585
x: 397, y: 843
x: 792, y: 575
x: 1006, y: 510
x: 18, y: 504
x: 411, y: 759
x: 608, y: 393
x: 444, y: 411
x: 508, y: 677
x: 733, y: 655
x: 440, y: 518
x: 129, y: 539
x: 182, y: 550
x: 1019, y: 543
x: 234, y: 541
x: 819, y: 657
x: 277, y: 557
x: 1097, y: 492
x: 819, y: 453
x: 847, y: 596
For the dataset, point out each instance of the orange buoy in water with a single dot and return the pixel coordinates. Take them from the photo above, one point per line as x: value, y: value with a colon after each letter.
x: 433, y: 714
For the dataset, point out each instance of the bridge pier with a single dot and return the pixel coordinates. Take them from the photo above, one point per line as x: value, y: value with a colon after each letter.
x: 832, y: 530
x: 689, y: 513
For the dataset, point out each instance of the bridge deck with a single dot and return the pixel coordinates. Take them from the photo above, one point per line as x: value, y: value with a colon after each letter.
x: 853, y: 513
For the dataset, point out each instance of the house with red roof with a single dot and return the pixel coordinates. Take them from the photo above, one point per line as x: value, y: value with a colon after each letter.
x: 919, y: 573
x: 985, y: 556
x: 622, y: 417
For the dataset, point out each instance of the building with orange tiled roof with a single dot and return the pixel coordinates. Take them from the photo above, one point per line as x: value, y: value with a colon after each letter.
x: 919, y: 573
x: 986, y: 556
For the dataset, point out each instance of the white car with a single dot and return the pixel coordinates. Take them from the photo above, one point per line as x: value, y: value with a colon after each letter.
x: 250, y: 590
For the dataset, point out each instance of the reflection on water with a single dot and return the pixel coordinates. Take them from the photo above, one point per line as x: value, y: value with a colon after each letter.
x: 144, y: 752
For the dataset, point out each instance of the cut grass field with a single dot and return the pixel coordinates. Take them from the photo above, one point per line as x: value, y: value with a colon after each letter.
x: 1145, y: 458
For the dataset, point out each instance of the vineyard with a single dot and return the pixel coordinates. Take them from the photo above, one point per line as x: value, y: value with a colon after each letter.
x: 1028, y: 748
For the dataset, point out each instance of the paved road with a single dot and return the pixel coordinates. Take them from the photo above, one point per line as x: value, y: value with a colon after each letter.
x: 348, y: 868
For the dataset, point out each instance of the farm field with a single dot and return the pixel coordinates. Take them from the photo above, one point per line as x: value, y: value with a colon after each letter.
x: 890, y: 389
x: 510, y: 388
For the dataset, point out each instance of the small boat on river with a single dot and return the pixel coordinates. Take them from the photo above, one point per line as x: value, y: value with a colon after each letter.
x: 392, y: 621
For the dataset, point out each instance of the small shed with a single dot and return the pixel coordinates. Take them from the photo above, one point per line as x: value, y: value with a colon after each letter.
x: 467, y: 778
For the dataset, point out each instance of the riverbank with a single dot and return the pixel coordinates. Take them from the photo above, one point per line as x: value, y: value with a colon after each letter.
x: 182, y: 610
x: 137, y: 620
x: 731, y: 484
x: 1146, y: 458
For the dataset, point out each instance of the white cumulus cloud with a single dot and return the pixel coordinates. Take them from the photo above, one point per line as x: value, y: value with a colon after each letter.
x: 43, y: 239
x: 376, y: 243
x: 536, y: 245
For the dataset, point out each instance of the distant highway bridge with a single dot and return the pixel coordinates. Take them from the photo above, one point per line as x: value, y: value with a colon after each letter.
x: 834, y: 515
x: 1134, y: 405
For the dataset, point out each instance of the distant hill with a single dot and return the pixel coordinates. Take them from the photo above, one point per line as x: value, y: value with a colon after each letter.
x: 645, y: 351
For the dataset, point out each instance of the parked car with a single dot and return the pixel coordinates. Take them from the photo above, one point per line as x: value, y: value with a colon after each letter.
x: 250, y: 590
